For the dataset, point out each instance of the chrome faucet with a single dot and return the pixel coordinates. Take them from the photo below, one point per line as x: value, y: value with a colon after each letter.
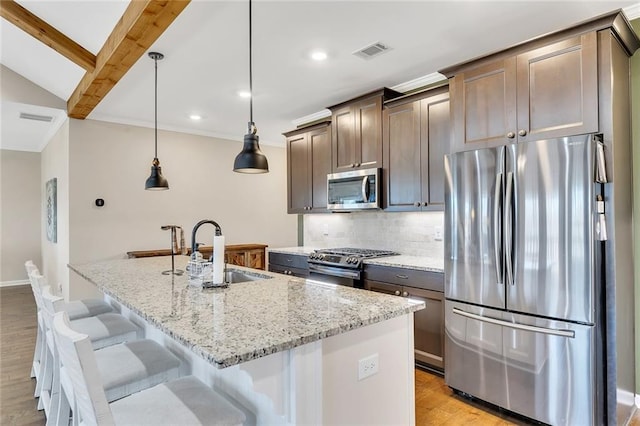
x: 194, y: 245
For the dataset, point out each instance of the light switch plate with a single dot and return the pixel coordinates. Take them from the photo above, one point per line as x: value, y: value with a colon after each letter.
x: 437, y: 233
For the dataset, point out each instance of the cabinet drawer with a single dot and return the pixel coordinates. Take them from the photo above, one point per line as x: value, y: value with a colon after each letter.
x: 406, y: 277
x: 288, y: 260
x: 296, y: 272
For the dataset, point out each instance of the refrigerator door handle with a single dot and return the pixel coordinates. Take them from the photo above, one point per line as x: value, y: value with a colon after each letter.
x: 496, y: 228
x: 508, y: 228
x: 553, y: 331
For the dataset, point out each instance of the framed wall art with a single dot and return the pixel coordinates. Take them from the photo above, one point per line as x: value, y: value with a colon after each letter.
x: 51, y: 194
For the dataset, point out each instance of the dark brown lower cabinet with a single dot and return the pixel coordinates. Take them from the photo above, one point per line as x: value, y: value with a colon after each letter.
x: 289, y: 264
x: 428, y: 323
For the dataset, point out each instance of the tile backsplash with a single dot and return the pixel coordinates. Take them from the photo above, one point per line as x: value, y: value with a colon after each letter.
x: 411, y: 233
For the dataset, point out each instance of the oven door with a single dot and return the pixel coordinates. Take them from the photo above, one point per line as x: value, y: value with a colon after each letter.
x: 334, y: 275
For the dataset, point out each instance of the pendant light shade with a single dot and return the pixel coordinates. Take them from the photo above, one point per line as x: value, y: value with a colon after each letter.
x: 251, y: 159
x: 156, y: 182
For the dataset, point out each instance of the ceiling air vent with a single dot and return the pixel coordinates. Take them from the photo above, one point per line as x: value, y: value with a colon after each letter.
x: 36, y: 117
x: 372, y: 50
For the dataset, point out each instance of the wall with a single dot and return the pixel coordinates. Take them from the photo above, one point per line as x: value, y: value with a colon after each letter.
x: 15, y: 88
x: 55, y: 164
x: 410, y: 233
x: 20, y: 214
x: 112, y: 162
x: 635, y: 125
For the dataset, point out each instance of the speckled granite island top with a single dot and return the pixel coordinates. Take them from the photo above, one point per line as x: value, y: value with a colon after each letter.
x: 228, y: 326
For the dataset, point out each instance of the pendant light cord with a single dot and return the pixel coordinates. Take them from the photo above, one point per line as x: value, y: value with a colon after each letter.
x: 252, y: 127
x: 155, y: 60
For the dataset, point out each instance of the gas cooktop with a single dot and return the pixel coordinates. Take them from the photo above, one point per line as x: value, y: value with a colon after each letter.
x: 348, y: 257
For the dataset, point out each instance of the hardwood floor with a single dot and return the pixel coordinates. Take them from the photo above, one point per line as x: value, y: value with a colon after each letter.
x: 17, y: 340
x: 435, y: 402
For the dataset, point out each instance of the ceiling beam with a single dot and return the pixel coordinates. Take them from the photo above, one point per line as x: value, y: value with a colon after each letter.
x: 36, y: 27
x: 140, y: 26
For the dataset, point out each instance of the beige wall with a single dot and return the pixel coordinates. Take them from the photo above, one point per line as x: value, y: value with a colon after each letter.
x: 635, y: 125
x: 20, y: 213
x: 15, y: 88
x: 55, y: 164
x: 112, y: 162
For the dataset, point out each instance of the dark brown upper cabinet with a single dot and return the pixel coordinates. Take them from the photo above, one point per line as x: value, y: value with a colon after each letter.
x: 549, y: 91
x: 415, y: 137
x: 357, y: 131
x: 308, y: 163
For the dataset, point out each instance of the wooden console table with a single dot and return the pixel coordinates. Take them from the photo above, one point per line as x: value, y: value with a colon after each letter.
x: 249, y: 255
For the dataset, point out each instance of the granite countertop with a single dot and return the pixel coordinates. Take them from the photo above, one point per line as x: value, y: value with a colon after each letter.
x: 422, y: 263
x: 293, y: 250
x: 228, y: 326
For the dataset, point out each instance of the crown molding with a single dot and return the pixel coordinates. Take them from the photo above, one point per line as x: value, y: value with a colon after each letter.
x: 632, y: 12
x: 405, y: 87
x: 311, y: 117
x: 419, y: 82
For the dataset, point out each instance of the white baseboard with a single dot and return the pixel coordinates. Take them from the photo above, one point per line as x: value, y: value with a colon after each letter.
x: 13, y: 283
x: 638, y: 401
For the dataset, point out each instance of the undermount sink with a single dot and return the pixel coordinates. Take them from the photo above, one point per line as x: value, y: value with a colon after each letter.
x: 234, y: 276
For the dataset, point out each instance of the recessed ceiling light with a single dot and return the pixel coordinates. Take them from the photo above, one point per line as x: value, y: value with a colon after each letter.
x: 195, y: 117
x: 318, y: 55
x: 244, y: 94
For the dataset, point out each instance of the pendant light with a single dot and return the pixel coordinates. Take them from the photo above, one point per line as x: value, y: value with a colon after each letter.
x: 251, y: 159
x: 156, y: 182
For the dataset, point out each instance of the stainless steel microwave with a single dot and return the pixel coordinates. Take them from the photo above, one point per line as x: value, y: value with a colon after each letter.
x: 354, y: 190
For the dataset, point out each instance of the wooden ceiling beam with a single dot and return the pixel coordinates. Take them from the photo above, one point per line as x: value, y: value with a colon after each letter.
x: 39, y: 29
x: 140, y: 26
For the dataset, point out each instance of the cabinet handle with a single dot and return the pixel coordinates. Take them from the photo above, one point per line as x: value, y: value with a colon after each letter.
x: 397, y: 292
x: 405, y: 294
x: 403, y: 277
x: 511, y: 135
x: 424, y: 204
x: 353, y: 165
x: 522, y: 132
x: 417, y: 204
x: 357, y: 164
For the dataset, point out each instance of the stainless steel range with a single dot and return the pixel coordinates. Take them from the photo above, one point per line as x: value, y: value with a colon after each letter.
x: 342, y: 265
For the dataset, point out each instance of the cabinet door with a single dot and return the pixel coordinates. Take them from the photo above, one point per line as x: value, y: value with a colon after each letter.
x: 368, y: 133
x: 435, y: 141
x: 298, y: 174
x: 428, y: 326
x: 380, y: 287
x: 484, y: 106
x: 558, y: 89
x: 343, y: 139
x: 401, y: 159
x: 320, y: 151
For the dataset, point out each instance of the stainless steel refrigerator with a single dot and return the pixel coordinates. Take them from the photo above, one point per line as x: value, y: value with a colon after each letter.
x: 525, y: 278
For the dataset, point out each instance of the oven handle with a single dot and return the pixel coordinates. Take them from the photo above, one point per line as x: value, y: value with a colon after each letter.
x: 336, y: 272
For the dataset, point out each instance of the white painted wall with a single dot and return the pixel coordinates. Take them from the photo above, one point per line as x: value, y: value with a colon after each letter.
x: 112, y: 162
x: 55, y: 164
x: 20, y: 213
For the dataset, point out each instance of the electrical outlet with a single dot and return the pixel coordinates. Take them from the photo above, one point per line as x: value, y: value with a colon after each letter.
x: 437, y: 233
x: 367, y: 366
x: 325, y: 229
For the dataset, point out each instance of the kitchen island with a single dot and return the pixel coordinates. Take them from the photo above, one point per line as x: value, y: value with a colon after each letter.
x: 287, y: 350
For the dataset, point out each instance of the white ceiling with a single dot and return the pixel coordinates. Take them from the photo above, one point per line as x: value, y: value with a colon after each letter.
x: 206, y: 56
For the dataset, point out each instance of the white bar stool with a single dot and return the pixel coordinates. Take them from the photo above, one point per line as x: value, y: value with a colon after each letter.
x: 185, y: 401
